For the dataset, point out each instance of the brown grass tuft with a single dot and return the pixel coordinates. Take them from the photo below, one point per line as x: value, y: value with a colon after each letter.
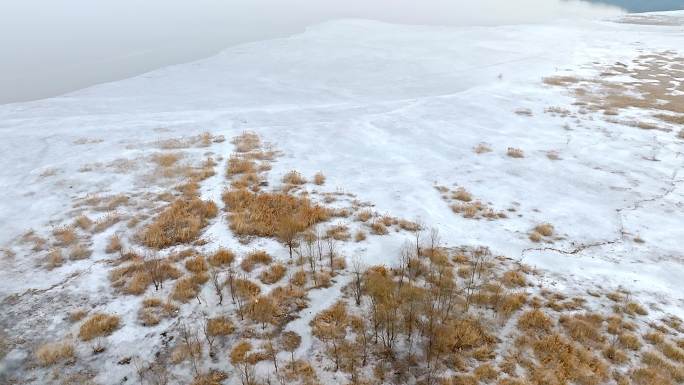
x: 65, y: 235
x: 185, y: 289
x: 220, y: 326
x: 515, y: 152
x: 83, y: 222
x: 256, y: 257
x: 535, y: 320
x: 462, y: 195
x: 263, y: 214
x: 79, y: 252
x: 52, y: 353
x: 238, y: 165
x: 378, y: 228
x: 222, y: 257
x: 294, y: 178
x: 246, y: 142
x: 98, y: 325
x: 181, y: 222
x: 273, y: 274
x: 545, y: 229
x: 113, y: 245
x: 482, y: 148
x: 319, y: 179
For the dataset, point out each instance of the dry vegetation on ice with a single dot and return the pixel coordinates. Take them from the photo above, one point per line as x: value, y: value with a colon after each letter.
x: 209, y: 259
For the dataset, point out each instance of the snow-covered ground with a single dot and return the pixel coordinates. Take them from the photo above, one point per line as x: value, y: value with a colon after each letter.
x: 386, y: 112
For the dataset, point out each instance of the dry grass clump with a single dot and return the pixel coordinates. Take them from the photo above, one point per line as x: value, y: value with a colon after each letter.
x: 672, y: 352
x: 153, y: 310
x: 360, y: 236
x: 535, y: 320
x: 482, y: 148
x: 113, y: 245
x: 378, y: 228
x: 106, y: 222
x: 319, y: 179
x: 77, y: 315
x: 215, y: 377
x: 271, y: 214
x: 98, y: 325
x: 564, y: 362
x: 299, y: 278
x: 515, y: 152
x: 553, y: 155
x: 254, y: 258
x: 560, y: 80
x: 338, y: 232
x: 79, y: 252
x: 185, y: 289
x: 545, y: 229
x: 166, y: 159
x: 273, y: 274
x: 181, y: 222
x: 583, y: 328
x: 634, y: 308
x: 54, y: 259
x: 629, y: 341
x: 462, y: 195
x: 220, y: 326
x: 541, y: 231
x: 294, y: 178
x: 238, y: 165
x: 134, y: 278
x: 222, y: 257
x: 65, y: 235
x: 364, y: 215
x: 52, y: 353
x: 196, y: 265
x: 83, y: 222
x: 246, y: 142
x: 513, y: 278
x: 658, y: 370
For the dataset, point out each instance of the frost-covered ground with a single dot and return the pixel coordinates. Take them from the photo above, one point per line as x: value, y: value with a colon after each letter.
x: 387, y: 112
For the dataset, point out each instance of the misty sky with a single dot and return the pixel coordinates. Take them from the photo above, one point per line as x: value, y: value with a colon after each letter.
x: 54, y: 46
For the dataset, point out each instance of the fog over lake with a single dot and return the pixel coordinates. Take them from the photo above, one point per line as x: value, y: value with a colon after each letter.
x: 50, y: 47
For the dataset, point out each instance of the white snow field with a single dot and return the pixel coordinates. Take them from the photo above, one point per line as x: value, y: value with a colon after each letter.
x: 386, y: 112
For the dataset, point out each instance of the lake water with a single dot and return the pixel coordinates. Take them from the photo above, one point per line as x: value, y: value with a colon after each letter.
x: 50, y: 47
